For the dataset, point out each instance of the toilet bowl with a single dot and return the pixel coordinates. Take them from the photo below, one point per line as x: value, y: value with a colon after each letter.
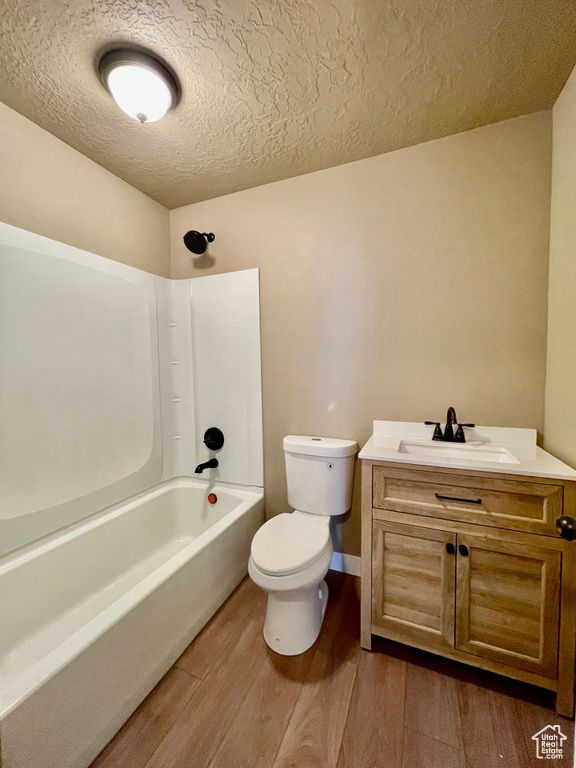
x: 289, y: 559
x: 291, y: 553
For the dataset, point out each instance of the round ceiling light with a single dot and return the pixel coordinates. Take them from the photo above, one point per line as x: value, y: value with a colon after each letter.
x: 141, y: 85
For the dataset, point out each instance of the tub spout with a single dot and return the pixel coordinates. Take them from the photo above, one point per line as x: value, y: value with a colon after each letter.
x: 212, y: 464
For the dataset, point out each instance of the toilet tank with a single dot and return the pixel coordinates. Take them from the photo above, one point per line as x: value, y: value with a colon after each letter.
x: 319, y: 473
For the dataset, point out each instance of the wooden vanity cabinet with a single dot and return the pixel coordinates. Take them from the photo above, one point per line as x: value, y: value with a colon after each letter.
x: 470, y: 566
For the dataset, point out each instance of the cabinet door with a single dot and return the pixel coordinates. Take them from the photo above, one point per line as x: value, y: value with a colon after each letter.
x: 413, y: 584
x: 507, y: 603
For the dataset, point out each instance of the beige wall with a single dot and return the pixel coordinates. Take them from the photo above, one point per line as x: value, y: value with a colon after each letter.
x: 391, y: 287
x: 51, y: 189
x: 394, y: 287
x: 560, y: 424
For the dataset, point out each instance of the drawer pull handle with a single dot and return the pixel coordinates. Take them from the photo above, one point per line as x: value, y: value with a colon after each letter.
x: 566, y: 527
x: 463, y: 550
x: 455, y: 498
x: 450, y: 549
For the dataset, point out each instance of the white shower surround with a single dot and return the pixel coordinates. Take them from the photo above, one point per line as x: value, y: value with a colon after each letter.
x: 110, y: 378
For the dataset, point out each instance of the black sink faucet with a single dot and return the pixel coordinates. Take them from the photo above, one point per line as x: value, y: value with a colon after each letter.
x: 451, y: 422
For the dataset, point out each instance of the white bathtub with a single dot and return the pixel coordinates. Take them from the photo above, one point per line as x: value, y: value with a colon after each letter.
x: 91, y: 618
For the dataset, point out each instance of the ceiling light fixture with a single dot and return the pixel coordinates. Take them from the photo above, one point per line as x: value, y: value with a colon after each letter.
x: 141, y: 85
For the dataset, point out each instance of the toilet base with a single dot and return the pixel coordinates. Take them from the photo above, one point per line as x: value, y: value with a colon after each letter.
x: 294, y: 619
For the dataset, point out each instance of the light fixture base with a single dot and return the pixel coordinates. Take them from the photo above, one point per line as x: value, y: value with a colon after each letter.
x: 143, y: 60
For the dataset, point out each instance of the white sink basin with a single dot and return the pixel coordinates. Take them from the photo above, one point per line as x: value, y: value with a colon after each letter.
x: 501, y: 450
x: 453, y: 451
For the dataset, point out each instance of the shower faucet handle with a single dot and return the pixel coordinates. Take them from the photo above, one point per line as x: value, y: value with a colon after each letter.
x: 213, y: 439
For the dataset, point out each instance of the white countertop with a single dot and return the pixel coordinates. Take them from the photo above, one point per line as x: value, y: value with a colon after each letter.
x: 488, y: 449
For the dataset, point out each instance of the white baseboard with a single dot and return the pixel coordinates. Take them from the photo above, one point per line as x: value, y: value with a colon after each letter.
x: 346, y: 564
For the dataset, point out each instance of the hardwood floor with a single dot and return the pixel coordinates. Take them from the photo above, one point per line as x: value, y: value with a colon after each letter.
x: 230, y: 702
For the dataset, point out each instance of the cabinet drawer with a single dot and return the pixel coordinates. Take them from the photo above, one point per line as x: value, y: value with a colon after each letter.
x: 512, y: 504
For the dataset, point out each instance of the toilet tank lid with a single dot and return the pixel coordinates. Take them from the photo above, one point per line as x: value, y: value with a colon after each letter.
x: 319, y: 446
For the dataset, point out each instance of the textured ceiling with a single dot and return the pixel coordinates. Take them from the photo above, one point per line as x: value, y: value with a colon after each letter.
x: 277, y: 88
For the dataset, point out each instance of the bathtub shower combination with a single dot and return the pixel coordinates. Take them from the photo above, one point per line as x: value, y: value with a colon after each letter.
x: 112, y: 557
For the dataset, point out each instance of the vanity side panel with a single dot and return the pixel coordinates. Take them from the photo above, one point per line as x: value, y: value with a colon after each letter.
x: 366, y: 607
x: 567, y: 642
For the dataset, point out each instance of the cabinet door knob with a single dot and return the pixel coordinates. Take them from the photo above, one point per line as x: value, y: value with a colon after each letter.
x: 566, y: 527
x: 450, y: 548
x: 463, y: 550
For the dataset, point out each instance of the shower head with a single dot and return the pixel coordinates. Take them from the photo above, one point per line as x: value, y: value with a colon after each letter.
x: 197, y: 242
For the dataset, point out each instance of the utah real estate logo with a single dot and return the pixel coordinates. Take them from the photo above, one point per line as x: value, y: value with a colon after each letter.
x: 549, y: 743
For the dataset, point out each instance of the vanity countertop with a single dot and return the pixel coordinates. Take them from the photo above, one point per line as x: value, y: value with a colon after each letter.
x: 488, y: 449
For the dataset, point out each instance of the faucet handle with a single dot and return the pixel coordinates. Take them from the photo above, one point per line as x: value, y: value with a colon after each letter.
x: 459, y: 436
x: 437, y: 429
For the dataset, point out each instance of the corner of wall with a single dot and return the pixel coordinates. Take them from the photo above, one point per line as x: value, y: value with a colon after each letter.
x: 53, y: 190
x: 560, y: 390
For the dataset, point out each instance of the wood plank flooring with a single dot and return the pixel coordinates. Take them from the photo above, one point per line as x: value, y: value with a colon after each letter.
x: 230, y: 702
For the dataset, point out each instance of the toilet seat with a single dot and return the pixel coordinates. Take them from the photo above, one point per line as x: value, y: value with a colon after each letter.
x: 288, y: 543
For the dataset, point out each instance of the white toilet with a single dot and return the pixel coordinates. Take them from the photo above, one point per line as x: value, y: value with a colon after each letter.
x: 291, y: 553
